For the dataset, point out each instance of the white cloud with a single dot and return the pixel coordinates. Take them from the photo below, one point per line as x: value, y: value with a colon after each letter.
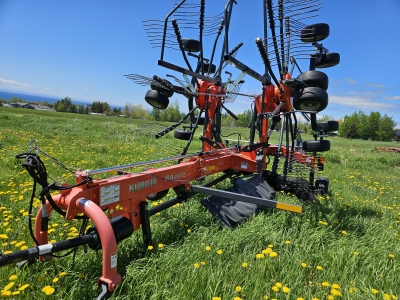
x: 12, y: 82
x: 351, y: 81
x: 376, y: 85
x: 360, y: 102
x: 395, y: 98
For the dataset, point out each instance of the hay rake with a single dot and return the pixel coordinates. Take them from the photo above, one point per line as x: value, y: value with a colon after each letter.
x: 256, y: 167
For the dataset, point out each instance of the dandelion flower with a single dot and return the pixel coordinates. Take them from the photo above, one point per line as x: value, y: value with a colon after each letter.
x: 203, y: 263
x: 238, y: 288
x: 319, y: 268
x: 278, y: 284
x: 13, y: 277
x: 244, y: 265
x: 5, y: 294
x: 9, y: 286
x: 196, y: 266
x: 331, y: 297
x: 273, y: 254
x: 62, y: 274
x: 48, y: 290
x: 303, y: 264
x: 285, y: 289
x: 23, y: 287
x: 55, y: 279
x: 300, y: 298
x: 275, y: 288
x: 219, y: 252
x: 335, y: 292
x: 391, y: 255
x: 260, y: 255
x: 216, y: 298
x: 325, y: 283
x: 15, y: 293
x: 344, y: 232
x: 150, y: 247
x: 355, y: 253
x: 374, y: 291
x: 335, y: 286
x: 237, y: 298
x: 160, y: 246
x: 208, y: 248
x: 287, y: 242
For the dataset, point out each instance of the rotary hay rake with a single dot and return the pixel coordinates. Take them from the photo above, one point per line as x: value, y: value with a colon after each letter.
x: 256, y: 168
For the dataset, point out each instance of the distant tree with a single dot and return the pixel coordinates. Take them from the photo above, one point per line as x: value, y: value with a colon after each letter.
x: 16, y: 99
x: 372, y: 127
x: 326, y: 118
x: 63, y: 105
x: 156, y: 114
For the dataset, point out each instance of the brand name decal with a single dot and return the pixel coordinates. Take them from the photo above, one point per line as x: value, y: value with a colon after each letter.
x: 175, y: 176
x: 142, y: 185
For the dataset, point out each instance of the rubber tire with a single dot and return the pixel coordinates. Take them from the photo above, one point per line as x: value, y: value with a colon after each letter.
x: 314, y: 78
x: 191, y: 45
x: 182, y: 134
x: 311, y: 99
x: 317, y: 146
x: 314, y: 33
x: 322, y: 185
x: 328, y: 60
x: 207, y: 65
x: 327, y: 126
x: 158, y: 195
x: 156, y: 99
x: 156, y: 86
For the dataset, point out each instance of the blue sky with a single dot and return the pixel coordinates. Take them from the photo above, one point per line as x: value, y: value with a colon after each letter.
x: 82, y: 49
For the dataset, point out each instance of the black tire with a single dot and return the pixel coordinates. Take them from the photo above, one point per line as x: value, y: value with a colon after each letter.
x: 310, y: 99
x: 156, y: 99
x: 321, y: 185
x: 314, y: 33
x: 206, y: 66
x: 182, y: 134
x: 314, y: 78
x: 158, y: 195
x: 156, y: 86
x: 328, y: 60
x: 317, y: 146
x: 327, y: 126
x: 191, y: 45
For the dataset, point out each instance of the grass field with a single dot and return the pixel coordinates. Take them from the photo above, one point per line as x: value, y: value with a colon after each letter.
x: 346, y: 248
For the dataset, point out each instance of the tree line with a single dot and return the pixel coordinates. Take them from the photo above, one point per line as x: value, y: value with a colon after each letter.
x: 373, y: 127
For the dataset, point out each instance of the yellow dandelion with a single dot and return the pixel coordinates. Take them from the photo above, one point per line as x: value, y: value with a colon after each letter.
x: 275, y: 288
x: 237, y: 298
x: 244, y: 265
x: 150, y: 247
x: 13, y: 277
x: 300, y: 298
x: 303, y: 264
x: 203, y: 263
x: 9, y: 286
x: 285, y: 289
x: 196, y: 265
x: 278, y: 284
x: 219, y: 252
x: 266, y: 297
x: 325, y: 283
x: 160, y: 246
x: 374, y: 291
x: 287, y: 242
x: 23, y: 287
x: 208, y: 248
x: 335, y: 286
x: 216, y: 298
x: 238, y: 288
x: 260, y: 255
x: 15, y: 293
x: 335, y: 292
x: 331, y: 297
x: 315, y: 298
x: 48, y: 290
x: 344, y: 232
x: 62, y: 274
x: 273, y: 254
x: 55, y: 279
x: 5, y: 294
x: 319, y: 268
x: 391, y: 255
x: 355, y: 253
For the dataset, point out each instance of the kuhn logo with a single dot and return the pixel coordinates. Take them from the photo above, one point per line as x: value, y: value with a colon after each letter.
x: 142, y: 185
x: 175, y: 176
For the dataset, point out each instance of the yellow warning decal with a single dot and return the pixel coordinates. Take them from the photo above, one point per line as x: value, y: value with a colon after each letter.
x: 289, y: 207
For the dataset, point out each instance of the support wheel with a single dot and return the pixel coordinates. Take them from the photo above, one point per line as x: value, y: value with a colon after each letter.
x: 191, y: 45
x: 314, y: 33
x: 182, y: 134
x: 328, y: 60
x: 317, y: 146
x: 314, y: 78
x: 311, y: 99
x: 156, y: 99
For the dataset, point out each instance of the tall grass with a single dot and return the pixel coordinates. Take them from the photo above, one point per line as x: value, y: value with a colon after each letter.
x: 348, y: 247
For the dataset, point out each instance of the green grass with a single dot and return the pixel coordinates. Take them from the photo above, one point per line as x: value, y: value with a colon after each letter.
x: 351, y: 239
